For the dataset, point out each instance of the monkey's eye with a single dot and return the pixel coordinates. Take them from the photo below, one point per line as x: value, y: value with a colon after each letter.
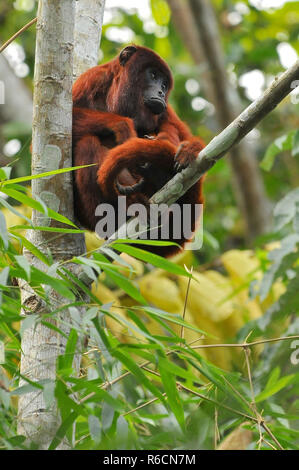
x: 153, y: 75
x: 164, y: 86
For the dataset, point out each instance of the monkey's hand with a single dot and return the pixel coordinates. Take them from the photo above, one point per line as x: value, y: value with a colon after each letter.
x: 123, y: 129
x: 187, y: 153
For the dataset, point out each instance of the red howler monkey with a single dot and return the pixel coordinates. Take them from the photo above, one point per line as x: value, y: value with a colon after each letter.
x: 122, y: 121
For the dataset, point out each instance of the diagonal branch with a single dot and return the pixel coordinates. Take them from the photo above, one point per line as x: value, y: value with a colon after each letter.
x: 222, y: 143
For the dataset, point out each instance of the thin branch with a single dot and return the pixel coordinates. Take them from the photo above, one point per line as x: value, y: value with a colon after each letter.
x: 236, y: 392
x: 180, y: 386
x: 260, y: 419
x: 143, y: 405
x: 243, y: 345
x: 4, y: 46
x: 257, y: 419
x: 268, y: 430
x: 107, y: 384
x: 253, y: 404
x: 186, y: 300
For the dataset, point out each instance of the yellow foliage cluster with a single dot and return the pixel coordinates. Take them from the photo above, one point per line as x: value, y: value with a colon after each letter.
x: 216, y: 303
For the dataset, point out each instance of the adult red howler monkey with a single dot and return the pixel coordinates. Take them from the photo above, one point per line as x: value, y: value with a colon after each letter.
x: 122, y: 121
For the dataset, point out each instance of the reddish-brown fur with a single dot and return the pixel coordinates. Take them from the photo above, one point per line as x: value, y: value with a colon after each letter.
x: 111, y: 125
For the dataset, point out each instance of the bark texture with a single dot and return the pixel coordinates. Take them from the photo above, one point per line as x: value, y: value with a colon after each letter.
x: 51, y: 149
x: 52, y: 131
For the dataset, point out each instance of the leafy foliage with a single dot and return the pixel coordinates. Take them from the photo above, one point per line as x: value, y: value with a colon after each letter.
x: 149, y: 379
x: 145, y: 384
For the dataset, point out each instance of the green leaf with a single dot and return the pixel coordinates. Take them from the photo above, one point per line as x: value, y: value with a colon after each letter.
x: 13, y: 210
x: 39, y: 277
x: 295, y: 144
x: 138, y: 373
x: 125, y: 284
x: 5, y: 173
x: 30, y: 387
x: 177, y: 370
x: 279, y: 145
x: 282, y: 258
x: 30, y: 247
x: 286, y: 209
x: 3, y: 231
x: 47, y: 173
x: 30, y: 202
x: 47, y: 229
x: 65, y: 425
x: 54, y: 328
x: 122, y: 321
x: 94, y: 428
x: 171, y: 317
x: 151, y: 258
x: 24, y: 264
x: 161, y: 12
x: 274, y: 387
x: 90, y: 314
x: 4, y: 276
x: 169, y: 383
x: 70, y: 348
x: 49, y: 393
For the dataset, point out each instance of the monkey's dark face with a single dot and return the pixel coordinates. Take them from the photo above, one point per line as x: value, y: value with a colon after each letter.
x: 155, y: 90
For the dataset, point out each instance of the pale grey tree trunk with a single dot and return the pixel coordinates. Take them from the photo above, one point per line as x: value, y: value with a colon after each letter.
x: 195, y: 21
x: 88, y: 31
x: 52, y: 131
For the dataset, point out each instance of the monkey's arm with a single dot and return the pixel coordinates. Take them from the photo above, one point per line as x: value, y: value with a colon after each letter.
x: 100, y: 123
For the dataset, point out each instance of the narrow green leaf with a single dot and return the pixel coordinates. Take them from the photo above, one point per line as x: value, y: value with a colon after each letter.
x: 138, y: 373
x: 24, y: 264
x: 279, y: 385
x: 62, y: 430
x: 281, y: 144
x: 46, y: 229
x: 47, y: 173
x: 39, y: 277
x: 151, y: 258
x: 36, y: 205
x: 70, y: 348
x: 3, y: 230
x: 174, y: 319
x: 177, y: 370
x: 295, y: 144
x: 13, y: 210
x: 30, y: 247
x: 126, y: 285
x: 169, y: 383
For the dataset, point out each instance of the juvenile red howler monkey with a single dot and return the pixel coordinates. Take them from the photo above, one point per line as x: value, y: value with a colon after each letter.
x: 122, y: 121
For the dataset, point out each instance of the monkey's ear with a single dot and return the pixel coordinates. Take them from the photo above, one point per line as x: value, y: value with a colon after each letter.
x: 126, y: 53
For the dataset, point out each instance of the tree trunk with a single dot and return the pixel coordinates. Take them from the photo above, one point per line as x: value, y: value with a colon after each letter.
x: 52, y: 131
x: 88, y: 31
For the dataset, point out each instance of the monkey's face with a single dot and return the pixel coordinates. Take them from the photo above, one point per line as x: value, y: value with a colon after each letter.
x: 155, y: 90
